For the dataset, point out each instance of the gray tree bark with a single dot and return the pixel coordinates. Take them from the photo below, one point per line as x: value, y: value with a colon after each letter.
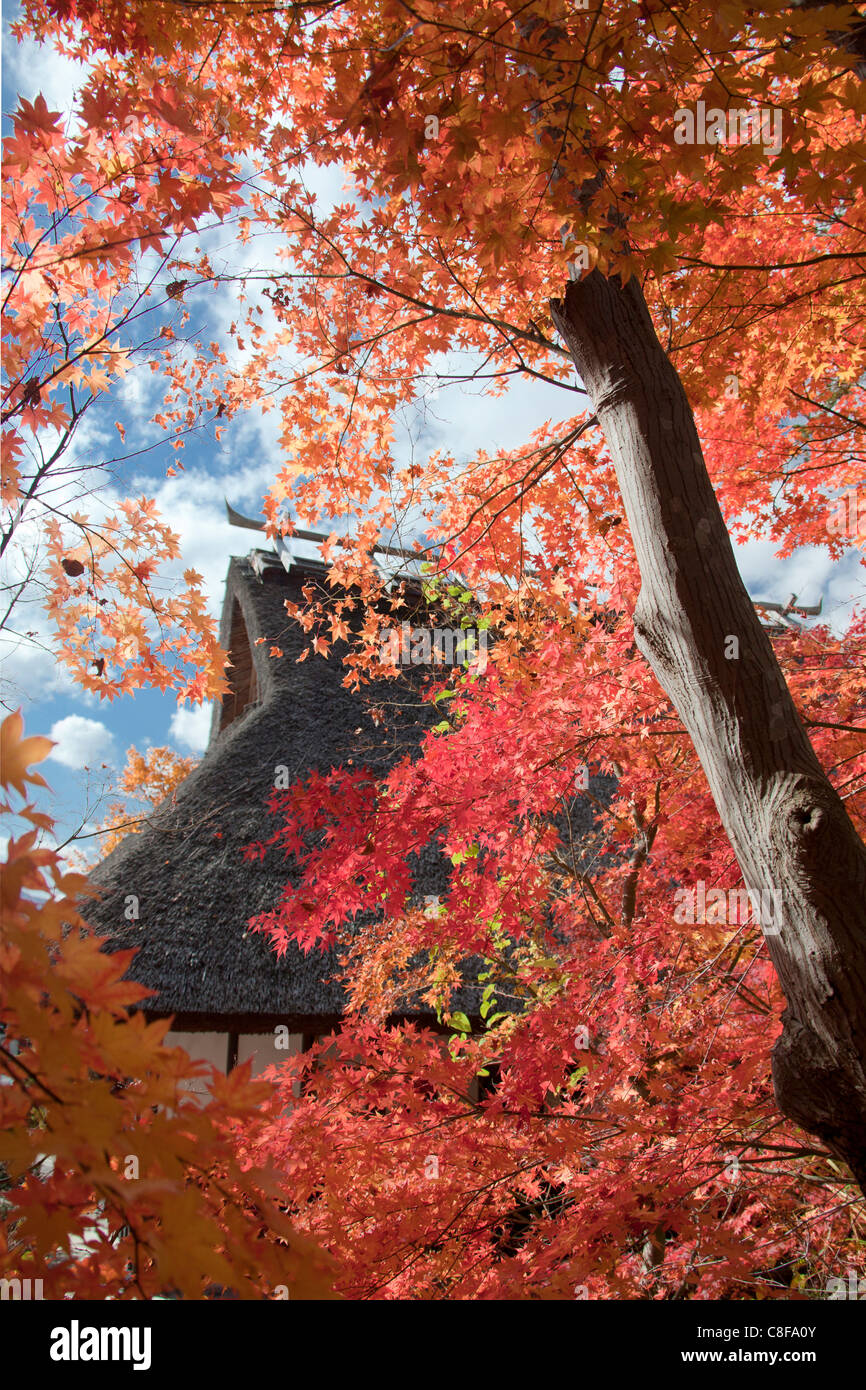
x: 787, y: 825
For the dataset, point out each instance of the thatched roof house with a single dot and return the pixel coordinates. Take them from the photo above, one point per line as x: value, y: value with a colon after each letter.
x: 181, y: 892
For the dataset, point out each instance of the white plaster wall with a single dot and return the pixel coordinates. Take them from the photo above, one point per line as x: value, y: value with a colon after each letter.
x: 268, y: 1049
x: 204, y: 1047
x: 213, y: 1048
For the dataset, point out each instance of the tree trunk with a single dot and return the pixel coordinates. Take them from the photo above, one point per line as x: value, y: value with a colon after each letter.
x: 786, y: 824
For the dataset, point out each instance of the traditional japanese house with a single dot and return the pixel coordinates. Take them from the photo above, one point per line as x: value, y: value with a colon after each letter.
x: 182, y: 893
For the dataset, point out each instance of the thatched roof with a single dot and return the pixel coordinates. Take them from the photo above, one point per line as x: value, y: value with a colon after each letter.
x: 195, y: 891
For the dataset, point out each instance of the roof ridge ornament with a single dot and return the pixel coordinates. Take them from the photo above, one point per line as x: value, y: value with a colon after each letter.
x: 236, y: 518
x: 784, y: 621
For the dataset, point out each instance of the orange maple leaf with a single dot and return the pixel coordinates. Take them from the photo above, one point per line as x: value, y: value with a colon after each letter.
x: 16, y: 753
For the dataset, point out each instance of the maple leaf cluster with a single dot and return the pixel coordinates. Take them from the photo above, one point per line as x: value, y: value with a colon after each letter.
x: 117, y: 627
x: 90, y: 218
x: 117, y: 1182
x: 146, y: 781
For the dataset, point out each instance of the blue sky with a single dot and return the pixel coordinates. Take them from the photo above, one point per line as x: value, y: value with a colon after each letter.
x: 92, y: 736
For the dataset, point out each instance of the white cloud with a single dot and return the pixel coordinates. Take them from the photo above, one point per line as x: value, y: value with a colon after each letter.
x: 81, y: 742
x: 137, y: 397
x: 191, y: 727
x: 33, y: 67
x: 32, y: 673
x: 809, y: 573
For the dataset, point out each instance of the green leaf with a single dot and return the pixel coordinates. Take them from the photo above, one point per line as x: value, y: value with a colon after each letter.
x: 461, y: 1022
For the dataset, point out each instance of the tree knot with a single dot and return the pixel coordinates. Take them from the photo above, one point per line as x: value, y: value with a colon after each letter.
x: 807, y: 820
x: 614, y: 393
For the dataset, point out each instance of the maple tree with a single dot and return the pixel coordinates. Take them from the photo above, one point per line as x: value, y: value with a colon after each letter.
x: 518, y: 202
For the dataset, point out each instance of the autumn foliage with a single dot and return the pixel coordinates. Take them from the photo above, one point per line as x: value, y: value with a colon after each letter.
x: 605, y: 1125
x: 117, y: 1181
x: 147, y: 780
